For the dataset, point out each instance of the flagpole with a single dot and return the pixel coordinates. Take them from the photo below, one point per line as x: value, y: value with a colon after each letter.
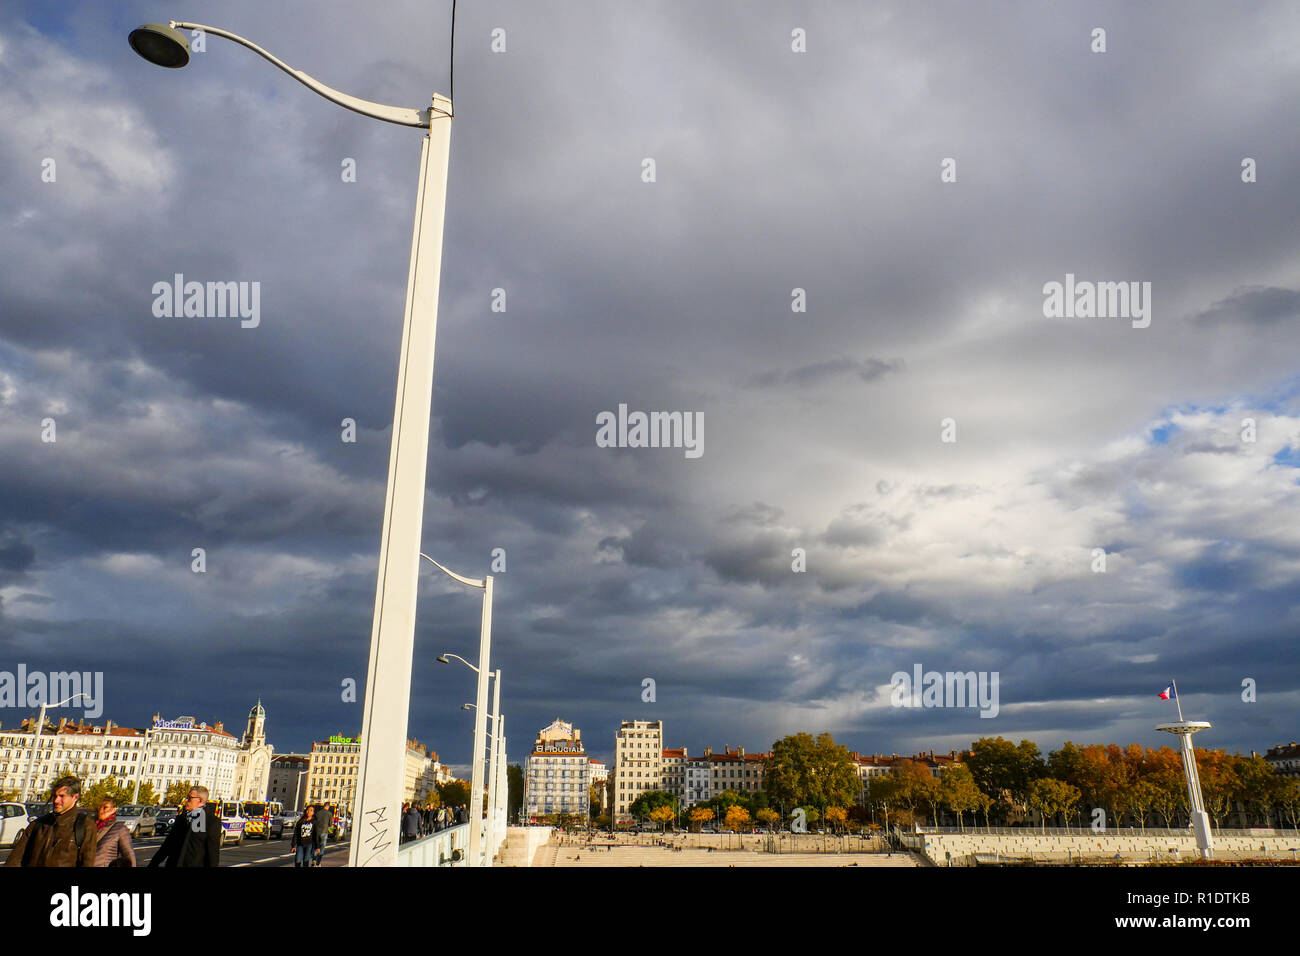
x: 1178, y: 700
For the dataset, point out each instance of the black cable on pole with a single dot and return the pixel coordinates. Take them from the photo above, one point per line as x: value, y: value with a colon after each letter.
x: 451, y: 68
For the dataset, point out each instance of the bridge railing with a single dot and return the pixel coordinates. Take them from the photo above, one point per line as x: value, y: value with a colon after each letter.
x: 449, y: 847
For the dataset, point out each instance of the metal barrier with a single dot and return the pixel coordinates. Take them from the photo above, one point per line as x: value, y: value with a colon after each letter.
x: 448, y: 847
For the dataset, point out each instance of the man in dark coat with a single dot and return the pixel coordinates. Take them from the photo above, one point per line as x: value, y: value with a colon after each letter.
x: 57, y: 839
x: 324, y: 820
x: 194, y: 838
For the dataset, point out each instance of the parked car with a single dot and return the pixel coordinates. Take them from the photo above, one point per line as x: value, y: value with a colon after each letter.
x: 139, y: 819
x: 163, y: 820
x: 13, y: 821
x: 37, y: 810
x: 275, y: 829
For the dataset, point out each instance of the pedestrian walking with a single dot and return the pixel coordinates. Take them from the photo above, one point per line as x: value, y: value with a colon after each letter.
x: 113, y: 843
x: 194, y: 838
x: 306, y: 838
x: 410, y: 823
x: 324, y: 817
x: 63, y: 837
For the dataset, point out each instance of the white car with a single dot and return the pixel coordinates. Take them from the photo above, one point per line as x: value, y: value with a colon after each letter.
x: 13, y: 821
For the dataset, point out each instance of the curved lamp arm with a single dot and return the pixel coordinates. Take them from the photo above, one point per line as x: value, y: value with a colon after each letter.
x: 389, y: 114
x: 468, y: 582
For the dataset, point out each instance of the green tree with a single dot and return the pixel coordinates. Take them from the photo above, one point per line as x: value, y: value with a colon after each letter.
x: 818, y: 772
x: 1138, y: 798
x: 177, y: 793
x: 514, y: 791
x: 1050, y: 796
x: 1001, y: 767
x: 644, y: 805
x: 455, y: 793
x: 957, y: 791
x: 1288, y: 799
x: 1259, y: 786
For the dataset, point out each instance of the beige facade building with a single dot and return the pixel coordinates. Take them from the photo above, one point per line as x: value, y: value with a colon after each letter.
x: 638, y: 764
x: 557, y: 774
x: 332, y: 771
x: 421, y: 772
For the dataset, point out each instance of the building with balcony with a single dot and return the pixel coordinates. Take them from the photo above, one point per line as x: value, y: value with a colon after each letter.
x: 557, y: 774
x: 638, y: 765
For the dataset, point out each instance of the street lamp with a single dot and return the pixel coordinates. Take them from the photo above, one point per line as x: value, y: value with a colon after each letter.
x: 297, y: 788
x: 392, y: 638
x: 36, y: 742
x: 493, y: 771
x: 480, y: 729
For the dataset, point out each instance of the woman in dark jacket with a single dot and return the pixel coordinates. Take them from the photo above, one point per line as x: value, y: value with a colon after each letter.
x: 306, y: 837
x: 114, y: 846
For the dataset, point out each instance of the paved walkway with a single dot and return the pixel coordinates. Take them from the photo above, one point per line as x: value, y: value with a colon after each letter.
x: 552, y: 855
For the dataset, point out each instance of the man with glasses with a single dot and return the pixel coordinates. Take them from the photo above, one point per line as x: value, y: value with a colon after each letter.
x: 195, y: 837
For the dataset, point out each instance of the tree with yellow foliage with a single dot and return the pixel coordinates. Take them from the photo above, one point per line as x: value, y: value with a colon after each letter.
x: 736, y: 818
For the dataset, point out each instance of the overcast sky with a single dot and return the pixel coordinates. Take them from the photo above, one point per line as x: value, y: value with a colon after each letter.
x: 774, y: 170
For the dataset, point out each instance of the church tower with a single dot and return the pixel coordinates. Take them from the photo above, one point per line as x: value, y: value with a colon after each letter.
x: 255, y: 731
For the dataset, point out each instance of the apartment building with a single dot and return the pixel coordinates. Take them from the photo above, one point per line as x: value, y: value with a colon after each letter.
x: 557, y: 774
x: 332, y: 771
x: 638, y: 764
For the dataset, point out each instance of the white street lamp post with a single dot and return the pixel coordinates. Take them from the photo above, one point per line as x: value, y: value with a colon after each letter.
x: 480, y: 711
x: 297, y: 788
x: 36, y: 742
x: 376, y: 821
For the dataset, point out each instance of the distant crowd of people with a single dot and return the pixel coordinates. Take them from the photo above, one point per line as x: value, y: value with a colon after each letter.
x: 422, y: 821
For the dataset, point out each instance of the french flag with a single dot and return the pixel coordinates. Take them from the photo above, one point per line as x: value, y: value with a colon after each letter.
x: 1168, y: 693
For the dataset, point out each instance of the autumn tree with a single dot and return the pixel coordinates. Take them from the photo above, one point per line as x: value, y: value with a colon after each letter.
x: 957, y: 791
x: 768, y: 817
x: 836, y: 817
x: 736, y: 819
x: 663, y: 815
x: 700, y: 816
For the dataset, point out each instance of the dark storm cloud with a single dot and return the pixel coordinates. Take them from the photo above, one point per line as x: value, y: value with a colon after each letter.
x: 821, y: 372
x: 775, y: 171
x: 1258, y: 306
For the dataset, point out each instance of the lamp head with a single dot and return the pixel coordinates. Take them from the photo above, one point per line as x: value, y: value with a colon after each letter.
x: 466, y: 706
x: 161, y: 44
x: 442, y: 659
